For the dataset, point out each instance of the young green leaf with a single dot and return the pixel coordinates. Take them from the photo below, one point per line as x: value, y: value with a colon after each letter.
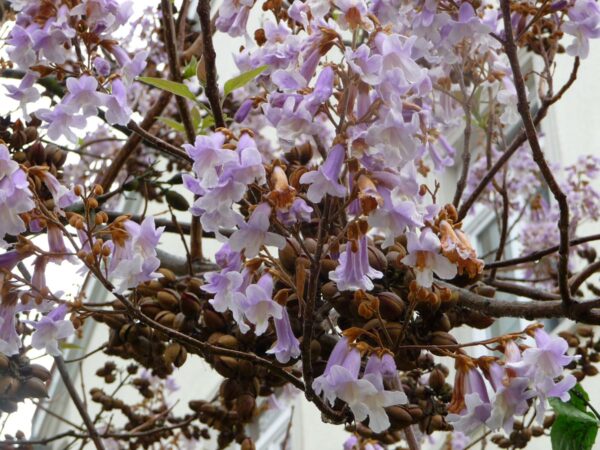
x: 574, y: 428
x: 242, y: 80
x: 190, y: 69
x: 172, y: 123
x: 173, y: 87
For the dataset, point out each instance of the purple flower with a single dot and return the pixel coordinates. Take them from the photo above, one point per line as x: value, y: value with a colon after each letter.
x: 298, y: 212
x: 25, y: 93
x: 8, y: 260
x: 22, y: 53
x: 62, y: 196
x: 233, y: 16
x: 542, y: 365
x: 102, y: 66
x: 228, y: 259
x: 343, y: 355
x: 209, y: 158
x: 325, y: 180
x: 425, y: 258
x: 365, y: 396
x: 15, y: 196
x: 354, y: 271
x: 83, y: 95
x: 510, y: 399
x: 117, y: 109
x: 226, y: 286
x: 134, y: 260
x: 468, y: 26
x: 382, y: 365
x: 61, y: 119
x: 287, y: 345
x: 9, y: 338
x: 255, y: 233
x: 584, y: 25
x: 258, y: 305
x: 353, y: 12
x: 476, y: 413
x: 288, y: 80
x: 50, y: 329
x: 366, y: 65
x: 395, y: 216
x: 243, y: 110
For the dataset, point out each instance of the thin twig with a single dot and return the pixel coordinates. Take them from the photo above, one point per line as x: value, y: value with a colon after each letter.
x: 212, y: 88
x: 64, y: 374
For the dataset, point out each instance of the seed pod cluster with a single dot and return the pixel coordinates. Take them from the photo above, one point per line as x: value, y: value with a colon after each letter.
x: 19, y: 380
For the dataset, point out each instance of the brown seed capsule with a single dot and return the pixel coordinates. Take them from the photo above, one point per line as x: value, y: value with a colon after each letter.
x: 8, y: 386
x: 399, y: 417
x: 168, y: 299
x: 537, y: 431
x: 196, y: 405
x: 190, y: 305
x: 436, y: 423
x: 415, y: 412
x: 245, y: 406
x: 167, y: 276
x: 166, y: 318
x: 33, y: 388
x: 8, y: 406
x: 180, y: 321
x: 181, y: 358
x: 377, y: 259
x: 391, y: 306
x: 289, y: 254
x: 548, y: 421
x: 437, y: 379
x: 315, y: 349
x: 248, y: 444
x: 171, y: 352
x: 443, y: 339
x: 578, y: 374
x: 590, y: 370
x: 226, y: 366
x: 228, y: 341
x: 584, y: 331
x: 213, y: 320
x: 150, y: 307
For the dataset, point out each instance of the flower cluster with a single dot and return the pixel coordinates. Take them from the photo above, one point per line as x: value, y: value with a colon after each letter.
x: 520, y: 378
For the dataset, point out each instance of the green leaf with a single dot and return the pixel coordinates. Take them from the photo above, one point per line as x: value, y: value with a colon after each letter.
x: 208, y: 121
x: 196, y: 117
x: 579, y: 397
x: 173, y: 87
x: 190, y: 69
x: 242, y: 80
x: 574, y: 428
x: 570, y: 434
x: 172, y: 123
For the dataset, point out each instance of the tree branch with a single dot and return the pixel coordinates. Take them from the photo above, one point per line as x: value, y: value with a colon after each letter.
x: 64, y: 374
x: 174, y: 67
x: 212, y: 88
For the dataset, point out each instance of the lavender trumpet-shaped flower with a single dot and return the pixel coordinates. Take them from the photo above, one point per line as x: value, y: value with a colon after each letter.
x: 287, y: 345
x: 425, y: 258
x: 258, y: 305
x: 325, y: 180
x: 255, y: 233
x: 15, y: 196
x: 51, y: 329
x: 354, y: 271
